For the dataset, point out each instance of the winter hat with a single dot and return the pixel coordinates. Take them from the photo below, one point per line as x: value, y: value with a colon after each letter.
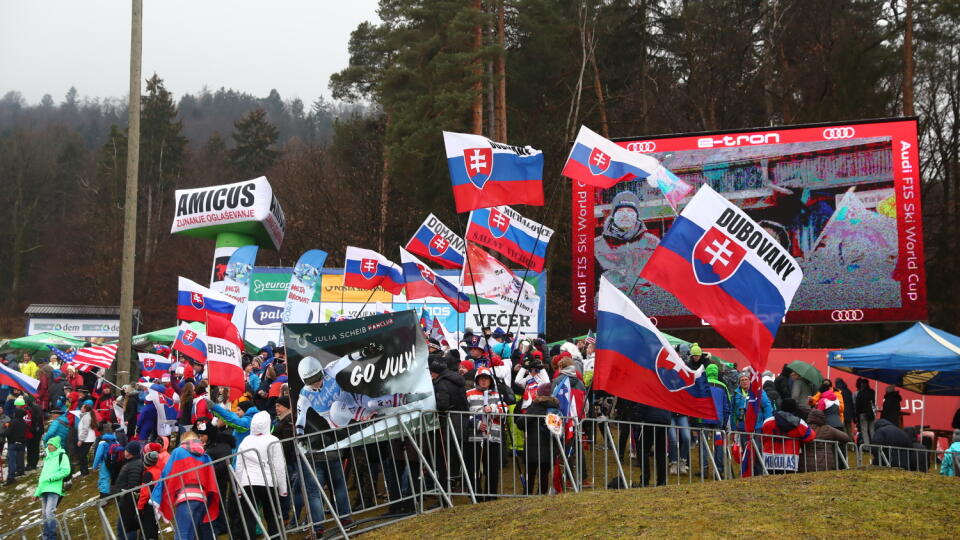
x: 152, y: 447
x: 279, y: 368
x: 150, y: 459
x: 544, y: 390
x: 133, y: 448
x: 695, y: 349
x: 437, y: 367
x: 19, y: 402
x: 202, y: 426
x: 88, y: 402
x: 789, y: 405
x: 467, y: 365
x: 713, y: 371
x: 244, y: 405
x: 432, y: 342
x: 483, y: 372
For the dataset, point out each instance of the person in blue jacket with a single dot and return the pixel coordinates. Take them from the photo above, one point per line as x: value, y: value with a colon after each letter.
x: 741, y: 397
x: 239, y: 424
x: 100, y: 461
x: 147, y: 422
x: 59, y: 426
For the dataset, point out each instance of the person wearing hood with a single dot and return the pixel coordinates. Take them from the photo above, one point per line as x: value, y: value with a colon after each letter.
x: 849, y: 409
x: 59, y: 426
x: 538, y: 440
x: 100, y: 461
x: 830, y: 403
x: 781, y: 453
x: 625, y: 245
x: 822, y: 456
x: 951, y: 457
x: 191, y: 498
x: 713, y: 429
x: 56, y: 469
x: 218, y: 445
x: 484, y: 448
x: 261, y: 472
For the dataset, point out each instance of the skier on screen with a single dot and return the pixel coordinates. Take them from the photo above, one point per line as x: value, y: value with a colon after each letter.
x: 625, y: 244
x: 322, y: 393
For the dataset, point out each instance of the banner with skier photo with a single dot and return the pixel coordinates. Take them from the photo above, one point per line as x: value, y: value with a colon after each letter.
x: 355, y: 370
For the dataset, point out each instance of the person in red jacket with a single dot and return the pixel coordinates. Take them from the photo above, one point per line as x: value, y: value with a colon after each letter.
x: 781, y: 452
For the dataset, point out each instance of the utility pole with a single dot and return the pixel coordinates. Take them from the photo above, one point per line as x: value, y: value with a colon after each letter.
x: 124, y: 356
x: 908, y: 61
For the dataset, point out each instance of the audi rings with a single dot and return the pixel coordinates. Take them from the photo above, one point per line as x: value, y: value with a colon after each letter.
x: 642, y: 146
x: 846, y: 315
x: 839, y: 133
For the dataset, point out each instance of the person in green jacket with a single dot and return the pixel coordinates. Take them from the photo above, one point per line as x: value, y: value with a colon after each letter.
x: 56, y: 469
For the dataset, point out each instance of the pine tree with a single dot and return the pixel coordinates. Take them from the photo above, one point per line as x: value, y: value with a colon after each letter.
x: 254, y: 137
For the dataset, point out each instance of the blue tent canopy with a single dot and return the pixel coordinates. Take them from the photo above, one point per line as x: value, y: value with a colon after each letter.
x: 921, y: 359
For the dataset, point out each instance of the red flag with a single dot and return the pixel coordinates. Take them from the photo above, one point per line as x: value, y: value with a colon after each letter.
x: 224, y: 346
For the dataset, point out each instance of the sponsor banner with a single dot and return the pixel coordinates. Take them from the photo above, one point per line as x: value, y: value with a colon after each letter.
x: 218, y: 272
x: 81, y: 328
x: 236, y: 284
x: 842, y: 199
x: 355, y: 370
x: 332, y: 290
x: 244, y: 207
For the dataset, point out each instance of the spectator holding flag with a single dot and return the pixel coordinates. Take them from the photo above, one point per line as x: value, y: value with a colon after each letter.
x: 484, y: 449
x: 714, y: 428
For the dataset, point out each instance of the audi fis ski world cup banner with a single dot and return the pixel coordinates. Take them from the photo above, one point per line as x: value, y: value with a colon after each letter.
x: 356, y: 370
x: 248, y: 208
x: 843, y: 200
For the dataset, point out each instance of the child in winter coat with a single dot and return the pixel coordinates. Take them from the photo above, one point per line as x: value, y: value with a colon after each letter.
x: 56, y: 468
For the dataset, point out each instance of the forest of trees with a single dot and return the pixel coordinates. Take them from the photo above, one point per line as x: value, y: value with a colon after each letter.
x: 366, y: 168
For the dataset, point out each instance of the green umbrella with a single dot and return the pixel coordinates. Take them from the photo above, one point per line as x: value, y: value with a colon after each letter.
x: 166, y: 336
x: 38, y: 342
x: 674, y: 341
x: 806, y: 371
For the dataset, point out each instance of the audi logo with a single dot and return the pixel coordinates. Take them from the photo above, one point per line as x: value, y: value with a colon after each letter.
x: 642, y: 146
x: 839, y: 133
x: 846, y: 315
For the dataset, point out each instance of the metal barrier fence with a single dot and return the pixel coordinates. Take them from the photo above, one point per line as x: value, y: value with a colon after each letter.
x: 374, y: 473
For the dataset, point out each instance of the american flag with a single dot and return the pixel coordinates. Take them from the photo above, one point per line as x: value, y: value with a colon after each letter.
x: 101, y: 356
x: 67, y: 358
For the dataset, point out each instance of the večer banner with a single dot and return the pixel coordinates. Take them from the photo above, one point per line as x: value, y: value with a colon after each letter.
x: 842, y: 199
x: 248, y: 208
x: 356, y: 370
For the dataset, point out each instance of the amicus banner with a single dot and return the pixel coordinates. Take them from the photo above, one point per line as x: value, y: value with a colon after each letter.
x: 843, y: 199
x: 248, y: 208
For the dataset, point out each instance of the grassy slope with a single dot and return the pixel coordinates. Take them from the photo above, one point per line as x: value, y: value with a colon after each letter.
x: 864, y: 502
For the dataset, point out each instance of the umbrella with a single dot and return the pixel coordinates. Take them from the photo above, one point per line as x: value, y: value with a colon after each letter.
x: 166, y: 336
x: 38, y: 342
x: 806, y: 371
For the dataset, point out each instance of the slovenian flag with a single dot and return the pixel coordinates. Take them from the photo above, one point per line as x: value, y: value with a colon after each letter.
x: 367, y: 269
x: 422, y: 282
x: 15, y: 379
x: 191, y: 343
x: 485, y: 173
x: 153, y: 365
x: 634, y: 361
x: 195, y: 302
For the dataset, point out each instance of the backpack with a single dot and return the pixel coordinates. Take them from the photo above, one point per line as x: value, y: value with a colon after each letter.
x: 114, y: 457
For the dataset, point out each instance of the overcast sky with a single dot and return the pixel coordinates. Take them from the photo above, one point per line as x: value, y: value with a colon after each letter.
x: 47, y: 46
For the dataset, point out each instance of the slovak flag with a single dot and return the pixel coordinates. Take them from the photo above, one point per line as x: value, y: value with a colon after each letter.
x: 436, y: 242
x: 195, y: 302
x: 634, y: 361
x: 725, y: 268
x: 422, y: 282
x: 153, y: 365
x: 367, y: 269
x: 599, y: 162
x: 485, y: 173
x: 519, y: 239
x: 224, y: 347
x: 191, y: 343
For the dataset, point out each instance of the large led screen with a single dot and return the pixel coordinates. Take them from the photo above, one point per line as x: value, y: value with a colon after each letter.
x: 844, y: 199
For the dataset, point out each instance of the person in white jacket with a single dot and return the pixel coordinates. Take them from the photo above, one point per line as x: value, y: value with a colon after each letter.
x: 262, y: 473
x: 86, y: 436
